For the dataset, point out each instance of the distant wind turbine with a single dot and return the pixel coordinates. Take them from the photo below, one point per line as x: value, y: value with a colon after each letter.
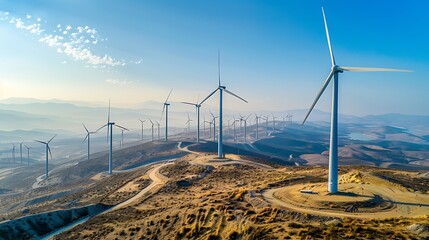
x: 142, y: 121
x: 197, y: 106
x: 257, y: 126
x: 157, y: 123
x: 28, y: 154
x: 221, y: 89
x: 88, y: 136
x: 245, y: 127
x: 13, y: 152
x: 274, y: 122
x: 48, y: 149
x: 189, y: 124
x: 165, y: 108
x: 335, y: 69
x: 152, y: 127
x: 214, y: 126
x: 109, y: 126
x: 20, y: 149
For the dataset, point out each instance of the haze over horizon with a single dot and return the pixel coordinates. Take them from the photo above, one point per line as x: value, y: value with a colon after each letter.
x: 273, y: 55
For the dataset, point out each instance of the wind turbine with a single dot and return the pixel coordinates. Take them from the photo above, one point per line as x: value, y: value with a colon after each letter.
x: 257, y: 126
x: 28, y: 154
x: 266, y: 125
x: 152, y: 127
x: 109, y: 126
x: 274, y: 122
x: 245, y: 126
x: 221, y: 89
x: 214, y: 126
x: 142, y: 121
x: 233, y: 132
x: 197, y: 106
x: 333, y: 145
x: 88, y: 136
x: 165, y: 108
x: 189, y: 124
x: 20, y: 150
x: 48, y: 149
x: 157, y: 123
x: 13, y: 152
x: 210, y: 127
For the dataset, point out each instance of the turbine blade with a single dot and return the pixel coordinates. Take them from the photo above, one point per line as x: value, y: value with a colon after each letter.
x: 49, y: 149
x: 85, y: 137
x: 209, y: 96
x: 162, y: 114
x: 151, y: 121
x: 328, y: 79
x: 189, y: 103
x: 168, y: 96
x: 85, y: 128
x: 40, y: 141
x: 211, y: 114
x: 328, y: 38
x: 119, y: 126
x: 235, y: 95
x: 101, y: 127
x: 248, y: 117
x: 52, y: 138
x: 365, y: 69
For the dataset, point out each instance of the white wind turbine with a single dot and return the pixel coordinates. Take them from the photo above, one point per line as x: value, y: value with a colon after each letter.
x: 142, y: 121
x: 266, y: 125
x: 221, y: 89
x: 28, y: 154
x: 109, y: 126
x: 159, y: 127
x: 88, y: 136
x: 197, y: 106
x: 214, y: 126
x: 274, y: 122
x: 257, y: 126
x: 13, y: 152
x: 233, y: 131
x: 48, y: 149
x: 335, y: 70
x: 152, y: 127
x: 245, y: 126
x: 189, y: 124
x: 165, y: 108
x: 20, y: 149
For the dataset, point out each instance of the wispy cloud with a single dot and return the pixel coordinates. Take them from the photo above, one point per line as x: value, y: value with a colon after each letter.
x: 118, y: 82
x: 75, y: 42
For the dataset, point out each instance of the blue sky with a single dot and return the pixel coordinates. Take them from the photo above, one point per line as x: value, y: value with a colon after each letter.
x: 273, y: 53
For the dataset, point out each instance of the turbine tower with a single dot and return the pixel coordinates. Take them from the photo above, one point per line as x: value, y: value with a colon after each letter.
x: 109, y: 126
x: 333, y: 144
x: 221, y: 89
x: 28, y: 154
x: 165, y: 108
x: 88, y: 136
x: 197, y: 107
x: 142, y: 121
x: 48, y: 149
